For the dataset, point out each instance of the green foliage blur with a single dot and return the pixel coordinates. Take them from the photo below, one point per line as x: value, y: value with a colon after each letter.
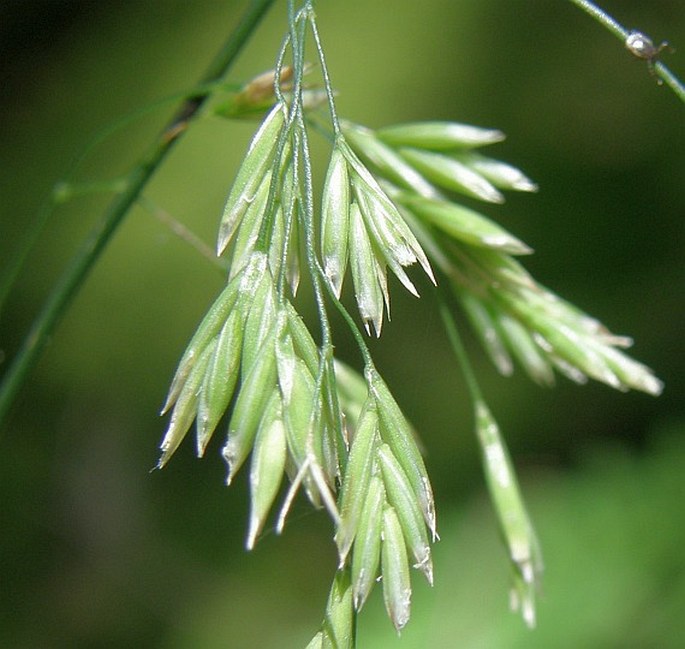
x: 96, y: 551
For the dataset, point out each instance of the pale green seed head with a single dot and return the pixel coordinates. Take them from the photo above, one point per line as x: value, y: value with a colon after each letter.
x: 500, y: 174
x: 305, y: 347
x: 185, y: 408
x: 220, y: 379
x: 392, y: 237
x: 366, y: 552
x: 388, y: 162
x: 247, y: 230
x: 209, y: 328
x: 575, y: 346
x: 255, y: 391
x: 465, y: 225
x: 335, y: 221
x: 284, y: 245
x: 398, y: 434
x: 520, y: 341
x: 298, y: 391
x: 631, y: 374
x: 352, y: 393
x: 522, y: 543
x: 387, y: 243
x: 368, y: 293
x: 395, y: 569
x: 483, y: 322
x: 452, y: 174
x: 317, y: 642
x: 338, y: 626
x: 357, y: 477
x: 292, y: 262
x: 267, y: 466
x: 439, y: 136
x: 260, y: 305
x: 405, y: 503
x: 256, y: 162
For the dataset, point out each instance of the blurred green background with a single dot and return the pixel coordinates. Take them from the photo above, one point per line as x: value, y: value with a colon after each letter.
x: 97, y: 552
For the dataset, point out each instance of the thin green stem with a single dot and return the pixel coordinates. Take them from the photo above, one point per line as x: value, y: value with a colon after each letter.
x: 82, y: 262
x: 266, y: 228
x: 319, y: 273
x: 66, y: 189
x: 295, y: 124
x: 326, y: 336
x: 518, y: 533
x: 315, y: 121
x: 289, y: 225
x: 182, y: 232
x: 297, y: 39
x: 670, y: 80
x: 324, y: 71
x: 602, y: 17
x: 459, y: 351
x: 285, y: 136
x: 286, y: 133
x: 659, y: 69
x: 349, y: 320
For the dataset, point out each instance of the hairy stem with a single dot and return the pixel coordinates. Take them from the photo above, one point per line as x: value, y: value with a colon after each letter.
x: 75, y: 274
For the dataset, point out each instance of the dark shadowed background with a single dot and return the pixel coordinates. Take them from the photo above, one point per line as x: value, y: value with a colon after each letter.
x: 95, y: 551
